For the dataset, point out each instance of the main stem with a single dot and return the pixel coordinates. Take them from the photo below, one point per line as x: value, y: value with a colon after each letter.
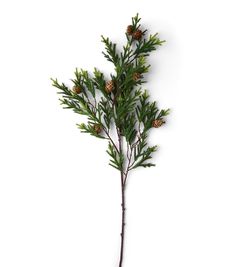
x: 122, y: 204
x: 123, y: 223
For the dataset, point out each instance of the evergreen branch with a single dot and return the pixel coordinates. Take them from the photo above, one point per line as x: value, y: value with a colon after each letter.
x: 89, y: 129
x: 99, y: 82
x: 111, y: 54
x: 87, y: 81
x: 129, y: 130
x: 127, y: 53
x: 63, y: 89
x: 142, y: 157
x: 105, y: 107
x: 117, y: 103
x: 125, y: 105
x: 163, y: 113
x: 146, y: 111
x: 135, y: 21
x: 117, y: 158
x: 146, y: 46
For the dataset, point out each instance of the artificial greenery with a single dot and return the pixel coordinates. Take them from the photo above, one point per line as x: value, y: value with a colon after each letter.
x: 119, y: 103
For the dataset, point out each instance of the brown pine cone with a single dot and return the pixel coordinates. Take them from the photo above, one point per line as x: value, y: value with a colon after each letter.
x: 136, y: 76
x: 137, y: 35
x: 77, y: 89
x: 129, y: 30
x: 157, y: 123
x: 109, y: 86
x: 97, y: 128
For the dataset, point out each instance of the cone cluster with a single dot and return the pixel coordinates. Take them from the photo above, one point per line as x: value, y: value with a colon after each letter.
x: 97, y: 128
x: 157, y: 123
x: 136, y: 76
x: 136, y: 34
x: 77, y: 89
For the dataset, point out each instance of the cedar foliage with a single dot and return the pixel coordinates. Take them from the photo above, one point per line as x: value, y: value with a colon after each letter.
x: 119, y: 103
x: 127, y: 107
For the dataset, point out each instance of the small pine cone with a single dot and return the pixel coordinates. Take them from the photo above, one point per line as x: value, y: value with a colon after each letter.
x: 136, y: 76
x: 137, y: 35
x: 97, y: 128
x: 77, y: 89
x: 109, y: 86
x: 129, y: 30
x: 157, y: 123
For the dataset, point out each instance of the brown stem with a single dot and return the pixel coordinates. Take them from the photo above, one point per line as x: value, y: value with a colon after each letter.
x: 123, y: 201
x: 129, y: 157
x: 123, y: 223
x: 109, y: 138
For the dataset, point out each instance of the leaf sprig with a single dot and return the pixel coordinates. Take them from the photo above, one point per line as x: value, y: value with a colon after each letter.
x: 120, y: 102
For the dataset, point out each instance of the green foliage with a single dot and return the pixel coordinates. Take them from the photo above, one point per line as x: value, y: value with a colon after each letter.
x: 127, y: 108
x: 142, y: 153
x: 144, y: 47
x: 111, y: 54
x: 117, y: 158
x: 146, y: 111
x: 89, y: 128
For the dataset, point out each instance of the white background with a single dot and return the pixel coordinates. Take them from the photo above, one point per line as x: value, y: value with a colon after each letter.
x: 59, y: 200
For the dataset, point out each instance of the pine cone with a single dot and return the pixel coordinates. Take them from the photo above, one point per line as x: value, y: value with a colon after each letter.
x: 157, y: 123
x: 137, y: 35
x: 97, y: 128
x: 77, y: 89
x: 129, y: 30
x: 109, y: 86
x: 136, y: 76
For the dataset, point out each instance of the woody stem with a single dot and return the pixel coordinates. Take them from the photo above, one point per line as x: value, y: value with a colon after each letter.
x: 122, y: 177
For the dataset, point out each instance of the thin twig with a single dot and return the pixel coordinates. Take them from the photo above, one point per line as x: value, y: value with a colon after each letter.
x: 109, y: 137
x: 128, y: 165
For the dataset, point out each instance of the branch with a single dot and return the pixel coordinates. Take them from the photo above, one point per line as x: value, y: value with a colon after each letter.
x: 129, y: 163
x: 109, y: 138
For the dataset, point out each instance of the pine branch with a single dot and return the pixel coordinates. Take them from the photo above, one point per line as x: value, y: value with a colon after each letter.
x: 119, y: 103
